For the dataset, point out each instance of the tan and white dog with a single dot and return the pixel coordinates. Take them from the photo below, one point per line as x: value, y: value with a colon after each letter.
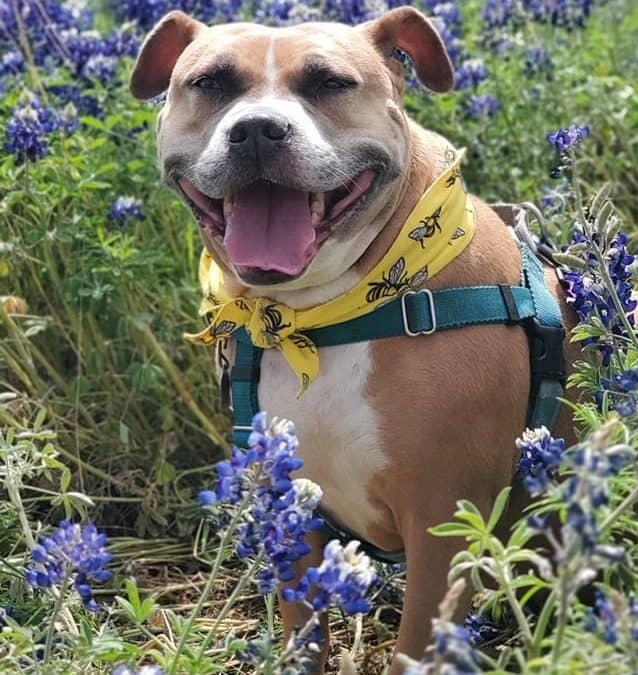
x: 302, y: 132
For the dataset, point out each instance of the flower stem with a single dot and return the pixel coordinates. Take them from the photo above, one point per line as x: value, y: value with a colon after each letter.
x: 506, y: 585
x: 211, y: 579
x: 241, y: 584
x: 560, y: 622
x: 59, y: 599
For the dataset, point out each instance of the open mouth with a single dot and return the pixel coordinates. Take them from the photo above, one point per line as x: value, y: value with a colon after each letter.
x: 269, y: 227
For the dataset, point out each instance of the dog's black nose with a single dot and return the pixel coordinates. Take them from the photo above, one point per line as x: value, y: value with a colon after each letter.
x: 258, y: 131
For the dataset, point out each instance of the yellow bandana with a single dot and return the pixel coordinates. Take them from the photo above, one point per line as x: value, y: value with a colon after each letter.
x: 440, y: 226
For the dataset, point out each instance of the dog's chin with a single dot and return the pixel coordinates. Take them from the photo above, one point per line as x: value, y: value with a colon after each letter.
x: 271, y: 233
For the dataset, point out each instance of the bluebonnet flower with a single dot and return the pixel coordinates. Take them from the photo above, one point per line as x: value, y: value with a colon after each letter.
x: 144, y: 670
x: 276, y: 524
x: 27, y: 130
x: 124, y: 208
x: 85, y: 104
x: 454, y: 643
x: 470, y: 73
x: 100, y: 67
x: 621, y: 396
x: 566, y: 139
x: 280, y: 510
x: 587, y: 292
x: 11, y: 63
x: 69, y: 118
x: 541, y: 455
x: 449, y: 12
x: 592, y: 463
x: 481, y: 628
x: 566, y: 13
x: 74, y: 551
x: 498, y: 13
x: 538, y: 61
x: 275, y: 12
x: 342, y: 580
x: 123, y: 41
x: 144, y: 12
x: 483, y: 105
x: 615, y: 616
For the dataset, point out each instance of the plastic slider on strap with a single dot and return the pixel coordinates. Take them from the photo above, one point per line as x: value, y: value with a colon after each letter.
x: 404, y: 311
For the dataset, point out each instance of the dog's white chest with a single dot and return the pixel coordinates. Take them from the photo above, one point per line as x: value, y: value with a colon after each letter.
x: 338, y: 433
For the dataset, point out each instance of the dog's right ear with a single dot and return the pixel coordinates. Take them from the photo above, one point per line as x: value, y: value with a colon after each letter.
x: 405, y: 28
x: 159, y: 53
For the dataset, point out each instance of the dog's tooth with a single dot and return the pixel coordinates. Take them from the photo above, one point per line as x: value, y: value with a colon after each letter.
x: 229, y: 202
x: 317, y: 206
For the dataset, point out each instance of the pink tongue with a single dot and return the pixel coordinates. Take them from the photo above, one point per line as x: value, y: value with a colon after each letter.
x: 270, y: 227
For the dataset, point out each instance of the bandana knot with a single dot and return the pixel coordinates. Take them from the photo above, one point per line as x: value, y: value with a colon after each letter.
x: 270, y: 323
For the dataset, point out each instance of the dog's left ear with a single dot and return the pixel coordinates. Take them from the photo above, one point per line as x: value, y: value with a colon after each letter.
x: 159, y: 53
x: 407, y: 29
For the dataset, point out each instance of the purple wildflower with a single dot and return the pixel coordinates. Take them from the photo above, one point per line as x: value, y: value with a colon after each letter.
x: 73, y: 551
x: 483, y: 105
x: 124, y: 208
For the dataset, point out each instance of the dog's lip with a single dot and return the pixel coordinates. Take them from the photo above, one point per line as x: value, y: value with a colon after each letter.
x: 339, y: 204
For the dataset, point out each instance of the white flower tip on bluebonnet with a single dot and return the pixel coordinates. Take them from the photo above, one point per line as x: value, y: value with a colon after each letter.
x: 348, y: 561
x: 281, y: 426
x: 26, y: 98
x: 450, y: 602
x: 533, y: 436
x: 70, y: 112
x: 307, y: 493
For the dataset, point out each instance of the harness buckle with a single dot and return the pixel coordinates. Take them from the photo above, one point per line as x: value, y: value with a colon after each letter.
x: 406, y: 323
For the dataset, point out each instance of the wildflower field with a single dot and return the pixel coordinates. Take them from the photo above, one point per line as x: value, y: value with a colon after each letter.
x: 124, y: 546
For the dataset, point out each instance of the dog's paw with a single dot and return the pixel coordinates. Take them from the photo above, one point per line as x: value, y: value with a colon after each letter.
x: 347, y: 664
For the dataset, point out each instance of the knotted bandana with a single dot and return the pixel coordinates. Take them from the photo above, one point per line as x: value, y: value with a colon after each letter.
x: 439, y: 228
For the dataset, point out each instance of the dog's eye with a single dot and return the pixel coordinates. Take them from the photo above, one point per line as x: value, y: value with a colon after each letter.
x: 208, y: 83
x: 337, y: 83
x: 223, y: 82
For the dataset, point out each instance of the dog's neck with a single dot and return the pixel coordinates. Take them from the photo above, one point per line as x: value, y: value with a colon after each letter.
x: 428, y: 161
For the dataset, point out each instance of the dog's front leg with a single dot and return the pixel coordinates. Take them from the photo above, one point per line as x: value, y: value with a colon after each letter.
x: 294, y: 614
x: 428, y: 559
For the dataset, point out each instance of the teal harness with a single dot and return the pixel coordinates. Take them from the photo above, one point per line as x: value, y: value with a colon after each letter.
x: 423, y: 312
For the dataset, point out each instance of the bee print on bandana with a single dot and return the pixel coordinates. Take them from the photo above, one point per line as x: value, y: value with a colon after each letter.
x: 394, y: 283
x: 223, y: 328
x: 273, y: 323
x: 302, y: 342
x: 427, y: 228
x: 453, y: 177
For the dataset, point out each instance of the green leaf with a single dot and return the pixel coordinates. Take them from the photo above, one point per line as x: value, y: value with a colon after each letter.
x: 452, y: 530
x: 499, y: 506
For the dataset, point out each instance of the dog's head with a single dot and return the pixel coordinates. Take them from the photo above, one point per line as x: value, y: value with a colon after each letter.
x: 286, y: 142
